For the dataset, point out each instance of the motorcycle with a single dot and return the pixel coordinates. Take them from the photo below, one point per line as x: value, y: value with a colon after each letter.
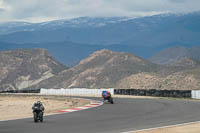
x: 110, y: 99
x: 107, y: 96
x: 37, y: 114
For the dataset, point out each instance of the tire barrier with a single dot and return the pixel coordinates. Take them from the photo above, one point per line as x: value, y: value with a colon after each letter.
x: 153, y: 92
x: 22, y: 91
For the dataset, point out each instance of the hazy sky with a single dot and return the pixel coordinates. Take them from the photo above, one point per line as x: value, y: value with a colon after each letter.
x: 45, y: 10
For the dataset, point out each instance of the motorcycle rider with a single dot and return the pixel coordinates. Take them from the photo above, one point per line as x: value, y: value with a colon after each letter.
x: 105, y: 95
x: 39, y: 105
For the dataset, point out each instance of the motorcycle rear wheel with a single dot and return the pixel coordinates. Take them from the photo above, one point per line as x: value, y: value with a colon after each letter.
x: 41, y: 117
x: 111, y: 100
x: 35, y: 117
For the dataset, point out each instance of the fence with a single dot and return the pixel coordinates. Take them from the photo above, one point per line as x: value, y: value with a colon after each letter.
x: 75, y: 91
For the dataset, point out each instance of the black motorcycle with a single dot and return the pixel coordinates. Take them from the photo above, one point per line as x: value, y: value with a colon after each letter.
x: 110, y: 99
x: 37, y: 114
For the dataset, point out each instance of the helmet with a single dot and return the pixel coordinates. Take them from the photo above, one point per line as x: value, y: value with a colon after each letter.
x: 38, y: 102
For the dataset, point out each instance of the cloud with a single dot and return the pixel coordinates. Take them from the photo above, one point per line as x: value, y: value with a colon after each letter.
x: 44, y: 10
x: 1, y: 10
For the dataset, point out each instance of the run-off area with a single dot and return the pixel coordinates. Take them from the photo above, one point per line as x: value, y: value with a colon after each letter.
x: 20, y: 106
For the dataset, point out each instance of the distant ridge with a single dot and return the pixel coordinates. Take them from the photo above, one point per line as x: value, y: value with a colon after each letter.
x: 174, y: 54
x: 185, y: 62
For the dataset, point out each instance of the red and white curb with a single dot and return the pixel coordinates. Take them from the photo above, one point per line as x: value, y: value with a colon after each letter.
x: 92, y: 104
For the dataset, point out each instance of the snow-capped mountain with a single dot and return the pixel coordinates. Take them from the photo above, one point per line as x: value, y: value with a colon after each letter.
x: 11, y: 27
x: 143, y: 36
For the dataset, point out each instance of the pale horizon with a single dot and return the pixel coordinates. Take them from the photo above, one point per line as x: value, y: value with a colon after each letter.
x: 36, y: 11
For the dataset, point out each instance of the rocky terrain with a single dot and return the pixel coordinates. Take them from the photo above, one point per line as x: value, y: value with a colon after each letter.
x: 106, y: 68
x: 34, y: 69
x: 26, y: 67
x: 186, y: 77
x: 103, y: 68
x: 175, y: 81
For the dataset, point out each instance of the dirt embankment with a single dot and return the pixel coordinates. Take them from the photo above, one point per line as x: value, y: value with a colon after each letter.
x: 20, y: 106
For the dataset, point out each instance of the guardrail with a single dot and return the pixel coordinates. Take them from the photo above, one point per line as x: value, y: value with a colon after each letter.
x: 153, y: 92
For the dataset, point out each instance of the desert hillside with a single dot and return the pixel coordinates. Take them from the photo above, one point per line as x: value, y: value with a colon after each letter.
x: 107, y: 68
x: 34, y: 69
x: 103, y: 68
x: 26, y: 67
x: 182, y: 74
x: 176, y: 81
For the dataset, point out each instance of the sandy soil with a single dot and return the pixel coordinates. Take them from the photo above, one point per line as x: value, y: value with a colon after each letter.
x: 191, y: 128
x: 20, y: 106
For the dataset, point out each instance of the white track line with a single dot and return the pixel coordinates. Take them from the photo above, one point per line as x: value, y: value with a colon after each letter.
x: 170, y: 126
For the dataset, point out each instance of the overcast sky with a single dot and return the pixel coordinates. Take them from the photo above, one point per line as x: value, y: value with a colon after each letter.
x: 45, y: 10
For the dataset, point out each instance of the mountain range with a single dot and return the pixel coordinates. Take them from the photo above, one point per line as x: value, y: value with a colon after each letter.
x: 109, y: 69
x: 103, y: 68
x: 64, y: 39
x: 35, y: 68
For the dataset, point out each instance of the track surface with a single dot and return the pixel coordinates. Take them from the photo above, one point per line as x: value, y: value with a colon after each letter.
x: 124, y: 115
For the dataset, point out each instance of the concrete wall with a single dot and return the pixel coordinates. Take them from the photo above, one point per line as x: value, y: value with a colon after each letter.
x: 196, y: 94
x: 75, y: 91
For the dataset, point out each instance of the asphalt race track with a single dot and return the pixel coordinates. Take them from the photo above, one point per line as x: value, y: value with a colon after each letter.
x: 124, y: 115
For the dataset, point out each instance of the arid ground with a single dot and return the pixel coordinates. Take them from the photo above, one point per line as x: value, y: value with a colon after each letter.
x: 191, y: 128
x: 20, y: 106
